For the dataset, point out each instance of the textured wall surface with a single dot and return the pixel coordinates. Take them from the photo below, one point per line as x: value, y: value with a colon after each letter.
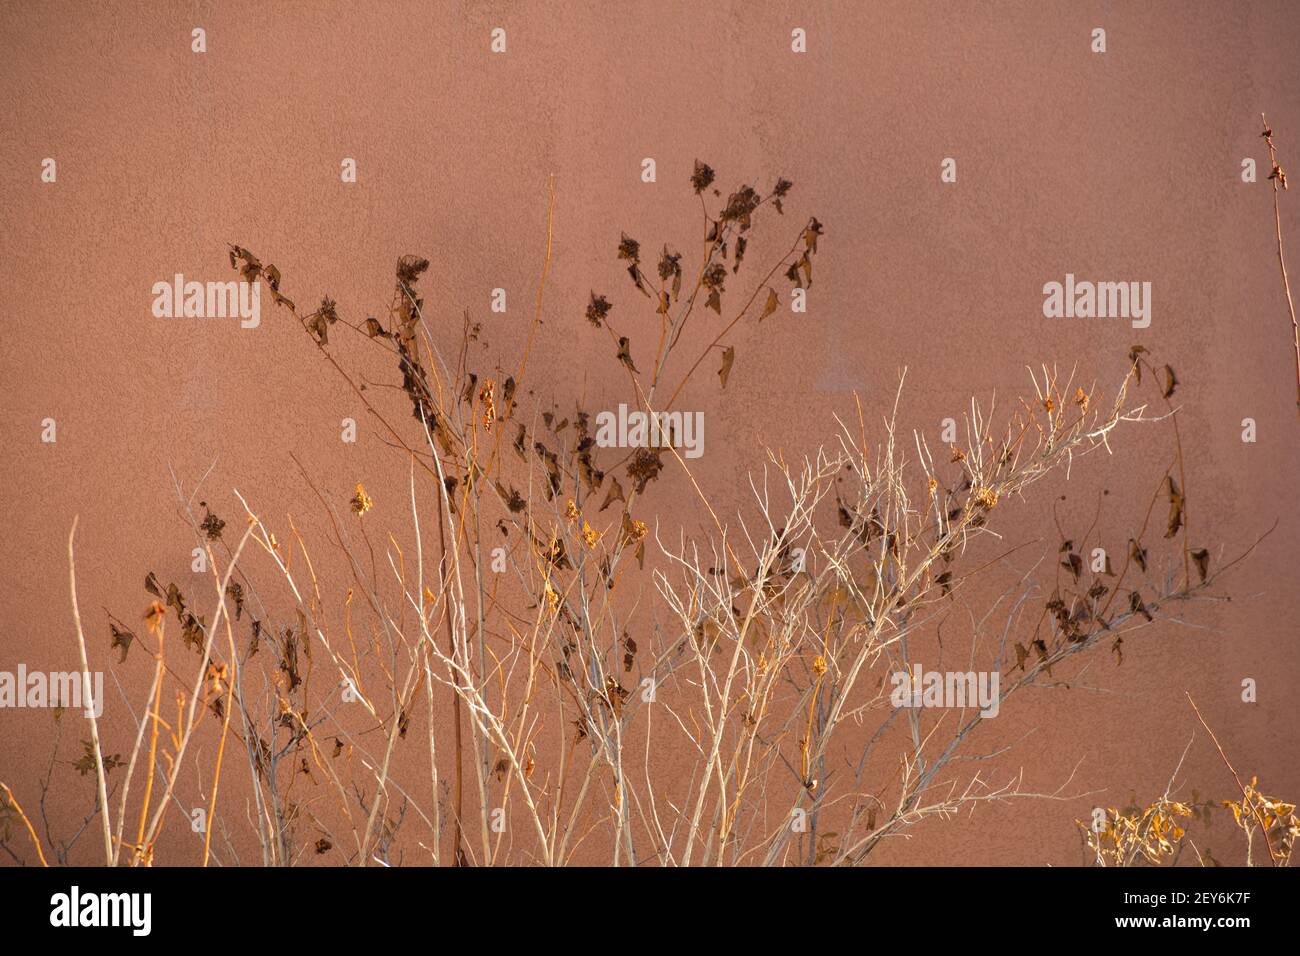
x: 1124, y: 165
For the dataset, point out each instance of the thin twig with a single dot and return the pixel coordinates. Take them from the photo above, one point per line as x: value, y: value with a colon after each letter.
x: 1278, y: 177
x: 1244, y: 795
x: 86, y: 684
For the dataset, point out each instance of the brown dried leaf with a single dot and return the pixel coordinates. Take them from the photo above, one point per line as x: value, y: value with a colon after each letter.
x: 1138, y: 554
x: 1175, y: 507
x: 1202, y: 559
x: 1133, y: 356
x: 1074, y: 564
x: 122, y: 638
x: 615, y: 493
x: 728, y: 359
x: 1170, y: 381
x: 1137, y: 606
x: 625, y: 354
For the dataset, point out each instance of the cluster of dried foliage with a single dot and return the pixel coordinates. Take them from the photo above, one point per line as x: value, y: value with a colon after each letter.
x: 1157, y: 835
x: 618, y: 694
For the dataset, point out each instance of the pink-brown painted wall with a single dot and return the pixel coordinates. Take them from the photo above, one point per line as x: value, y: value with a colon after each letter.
x: 1123, y: 165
